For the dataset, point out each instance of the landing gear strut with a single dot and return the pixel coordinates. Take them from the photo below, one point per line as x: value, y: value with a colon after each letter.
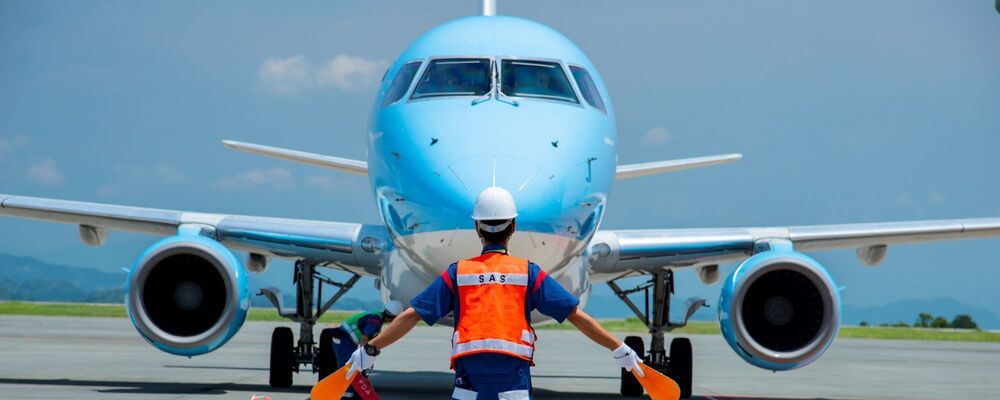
x: 286, y: 355
x: 677, y: 364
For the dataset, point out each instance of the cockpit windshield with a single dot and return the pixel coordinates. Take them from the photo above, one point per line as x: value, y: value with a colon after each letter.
x: 454, y: 77
x: 539, y: 79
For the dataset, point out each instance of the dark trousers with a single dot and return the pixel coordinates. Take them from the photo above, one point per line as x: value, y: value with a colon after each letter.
x: 492, y: 376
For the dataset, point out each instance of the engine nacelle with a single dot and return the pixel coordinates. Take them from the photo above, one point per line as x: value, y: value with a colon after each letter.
x: 187, y: 295
x: 779, y: 310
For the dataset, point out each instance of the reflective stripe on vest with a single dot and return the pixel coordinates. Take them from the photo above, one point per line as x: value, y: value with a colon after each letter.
x: 350, y: 325
x: 491, y: 278
x: 494, y: 345
x: 492, y: 292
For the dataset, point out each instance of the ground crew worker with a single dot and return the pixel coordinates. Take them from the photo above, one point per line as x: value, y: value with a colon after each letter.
x: 492, y: 296
x: 358, y: 329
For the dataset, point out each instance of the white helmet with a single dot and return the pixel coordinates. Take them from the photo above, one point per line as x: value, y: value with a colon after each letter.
x: 393, y: 308
x: 494, y: 203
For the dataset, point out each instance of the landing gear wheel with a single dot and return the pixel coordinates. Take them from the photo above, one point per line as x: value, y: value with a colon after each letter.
x: 326, y: 359
x: 630, y: 385
x: 680, y: 365
x: 282, y: 357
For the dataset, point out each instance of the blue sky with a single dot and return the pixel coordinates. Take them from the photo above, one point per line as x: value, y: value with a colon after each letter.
x: 847, y: 111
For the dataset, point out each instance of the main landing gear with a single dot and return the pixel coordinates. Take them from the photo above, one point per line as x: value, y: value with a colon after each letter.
x: 676, y: 365
x: 286, y: 355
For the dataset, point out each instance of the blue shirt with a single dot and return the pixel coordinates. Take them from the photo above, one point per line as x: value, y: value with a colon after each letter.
x: 370, y: 324
x: 550, y: 298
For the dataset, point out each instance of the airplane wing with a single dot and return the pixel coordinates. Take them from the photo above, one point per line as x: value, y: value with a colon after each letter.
x: 629, y: 171
x: 347, y: 244
x: 350, y: 166
x: 625, y: 250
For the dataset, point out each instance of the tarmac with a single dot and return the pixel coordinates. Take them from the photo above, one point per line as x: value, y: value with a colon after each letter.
x: 104, y: 358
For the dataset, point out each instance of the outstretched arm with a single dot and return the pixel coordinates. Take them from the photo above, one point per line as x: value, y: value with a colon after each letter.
x: 624, y: 355
x: 590, y: 328
x: 397, y: 329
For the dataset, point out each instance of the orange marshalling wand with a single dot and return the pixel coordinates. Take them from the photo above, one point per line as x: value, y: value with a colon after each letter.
x: 333, y: 387
x: 657, y: 386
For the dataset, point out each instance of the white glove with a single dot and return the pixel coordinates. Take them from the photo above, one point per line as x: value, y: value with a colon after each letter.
x: 627, y: 359
x: 360, y: 361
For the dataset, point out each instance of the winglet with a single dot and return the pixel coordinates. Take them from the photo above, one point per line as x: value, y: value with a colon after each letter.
x: 356, y: 167
x: 629, y: 171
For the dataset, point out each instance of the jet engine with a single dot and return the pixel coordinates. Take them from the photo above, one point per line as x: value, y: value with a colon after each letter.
x: 779, y: 310
x: 187, y: 295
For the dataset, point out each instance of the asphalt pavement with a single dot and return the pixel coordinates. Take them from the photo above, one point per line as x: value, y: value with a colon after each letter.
x: 104, y: 358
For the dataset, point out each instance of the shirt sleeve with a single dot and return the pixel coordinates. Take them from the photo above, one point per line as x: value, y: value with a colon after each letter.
x: 438, y: 299
x: 370, y: 325
x: 550, y: 298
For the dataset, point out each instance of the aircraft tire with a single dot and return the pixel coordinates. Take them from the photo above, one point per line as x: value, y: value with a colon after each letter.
x: 630, y: 385
x: 282, y: 357
x: 681, y: 365
x: 326, y: 359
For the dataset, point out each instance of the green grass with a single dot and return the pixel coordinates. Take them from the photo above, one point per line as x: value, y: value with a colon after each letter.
x: 952, y: 335
x: 118, y: 311
x: 62, y: 309
x: 269, y: 314
x: 626, y: 325
x: 852, y: 332
x: 634, y: 325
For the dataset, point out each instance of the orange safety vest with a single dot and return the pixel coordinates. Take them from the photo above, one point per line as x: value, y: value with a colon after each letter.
x: 492, y: 291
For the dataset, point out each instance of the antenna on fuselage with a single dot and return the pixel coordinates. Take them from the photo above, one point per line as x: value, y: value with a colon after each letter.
x: 489, y: 8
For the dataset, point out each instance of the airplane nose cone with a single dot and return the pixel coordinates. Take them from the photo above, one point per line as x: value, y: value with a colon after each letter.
x: 524, y: 179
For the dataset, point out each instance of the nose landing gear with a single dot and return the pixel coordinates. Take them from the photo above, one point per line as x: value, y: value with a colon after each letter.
x: 678, y: 364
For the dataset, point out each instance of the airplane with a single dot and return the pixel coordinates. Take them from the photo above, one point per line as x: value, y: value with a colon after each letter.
x: 460, y: 110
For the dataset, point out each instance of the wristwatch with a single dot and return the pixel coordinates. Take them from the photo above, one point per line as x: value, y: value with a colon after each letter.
x: 371, y: 350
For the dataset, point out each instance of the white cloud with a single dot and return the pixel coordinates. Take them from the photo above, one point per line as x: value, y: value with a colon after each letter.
x: 161, y: 173
x: 350, y: 72
x: 656, y: 136
x: 921, y: 200
x: 320, y: 182
x: 134, y: 179
x: 46, y: 172
x: 292, y: 75
x: 10, y: 144
x: 170, y: 174
x: 275, y: 178
x: 284, y: 75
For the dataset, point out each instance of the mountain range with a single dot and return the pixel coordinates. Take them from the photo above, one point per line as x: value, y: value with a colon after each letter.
x: 31, y: 279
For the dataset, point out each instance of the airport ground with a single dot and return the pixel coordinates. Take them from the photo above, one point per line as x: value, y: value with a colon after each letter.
x: 632, y: 325
x: 104, y: 358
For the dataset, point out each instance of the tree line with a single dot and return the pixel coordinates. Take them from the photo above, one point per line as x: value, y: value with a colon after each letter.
x: 926, y: 320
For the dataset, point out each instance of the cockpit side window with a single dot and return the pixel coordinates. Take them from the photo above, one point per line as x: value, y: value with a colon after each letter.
x: 587, y: 88
x: 454, y: 77
x: 401, y: 83
x: 539, y: 79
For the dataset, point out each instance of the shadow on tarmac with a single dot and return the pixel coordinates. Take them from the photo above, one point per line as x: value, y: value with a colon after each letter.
x: 390, y: 385
x: 215, y: 367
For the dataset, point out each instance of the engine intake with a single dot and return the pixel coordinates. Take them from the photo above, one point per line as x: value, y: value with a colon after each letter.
x: 187, y: 295
x: 779, y: 310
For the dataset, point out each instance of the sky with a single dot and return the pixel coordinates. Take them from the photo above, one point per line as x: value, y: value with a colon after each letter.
x: 846, y: 111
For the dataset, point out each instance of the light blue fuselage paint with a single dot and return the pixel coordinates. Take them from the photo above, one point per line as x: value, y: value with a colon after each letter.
x: 429, y: 158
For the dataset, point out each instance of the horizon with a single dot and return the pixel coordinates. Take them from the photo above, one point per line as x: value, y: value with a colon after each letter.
x: 853, y: 315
